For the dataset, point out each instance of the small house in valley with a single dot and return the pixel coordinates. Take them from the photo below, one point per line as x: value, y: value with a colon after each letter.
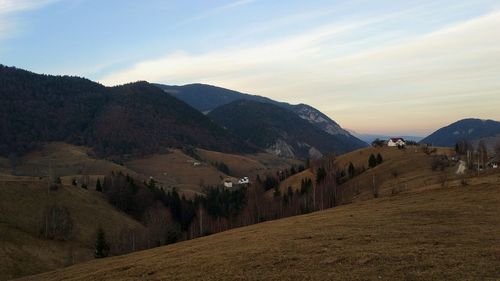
x: 229, y: 182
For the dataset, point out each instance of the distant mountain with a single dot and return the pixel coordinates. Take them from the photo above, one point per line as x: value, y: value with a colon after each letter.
x: 206, y: 98
x: 279, y: 130
x: 369, y: 138
x: 466, y: 129
x: 136, y: 118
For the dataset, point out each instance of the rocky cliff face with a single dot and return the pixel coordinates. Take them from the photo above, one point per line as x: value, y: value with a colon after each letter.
x: 320, y: 120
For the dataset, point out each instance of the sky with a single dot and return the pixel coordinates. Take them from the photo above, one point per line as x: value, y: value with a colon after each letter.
x: 386, y: 67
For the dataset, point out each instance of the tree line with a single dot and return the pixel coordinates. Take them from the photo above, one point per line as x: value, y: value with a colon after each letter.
x: 169, y: 216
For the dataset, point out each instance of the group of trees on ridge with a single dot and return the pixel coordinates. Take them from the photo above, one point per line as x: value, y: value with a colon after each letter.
x: 42, y: 108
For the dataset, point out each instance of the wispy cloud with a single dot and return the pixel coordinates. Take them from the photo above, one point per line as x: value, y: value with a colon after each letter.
x: 9, y: 8
x: 12, y: 6
x: 181, y: 67
x: 217, y: 10
x: 460, y: 62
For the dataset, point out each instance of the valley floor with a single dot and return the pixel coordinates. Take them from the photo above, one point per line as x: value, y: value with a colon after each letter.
x: 452, y: 233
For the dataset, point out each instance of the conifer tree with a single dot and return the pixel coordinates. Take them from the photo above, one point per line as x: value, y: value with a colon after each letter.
x: 379, y: 159
x: 101, y: 246
x: 372, y: 161
x: 98, y: 186
x: 320, y: 175
x: 351, y: 170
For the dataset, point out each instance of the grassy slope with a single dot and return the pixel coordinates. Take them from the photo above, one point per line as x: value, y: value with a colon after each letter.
x: 402, y: 170
x: 173, y: 169
x: 176, y: 169
x: 295, y: 180
x: 23, y: 199
x: 239, y: 165
x: 405, y: 170
x: 64, y: 160
x: 442, y: 234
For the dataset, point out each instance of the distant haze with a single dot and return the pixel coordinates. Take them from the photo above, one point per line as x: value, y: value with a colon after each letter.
x: 378, y: 67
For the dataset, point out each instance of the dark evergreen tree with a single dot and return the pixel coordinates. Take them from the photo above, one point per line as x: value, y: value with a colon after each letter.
x: 351, y: 170
x: 372, y: 161
x: 270, y: 182
x: 320, y: 175
x: 379, y: 159
x: 277, y: 191
x: 305, y: 185
x: 101, y: 246
x: 98, y: 186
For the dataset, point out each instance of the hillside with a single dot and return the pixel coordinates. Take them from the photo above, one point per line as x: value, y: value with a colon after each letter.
x: 23, y: 249
x: 441, y: 234
x: 466, y: 129
x: 25, y: 197
x: 41, y: 108
x: 173, y: 168
x: 206, y: 98
x: 402, y: 171
x: 278, y: 130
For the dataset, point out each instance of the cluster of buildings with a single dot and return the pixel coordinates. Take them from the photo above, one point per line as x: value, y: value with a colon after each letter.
x: 392, y: 142
x: 398, y: 142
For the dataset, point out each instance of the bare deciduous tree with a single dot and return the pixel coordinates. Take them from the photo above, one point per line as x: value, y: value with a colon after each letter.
x: 55, y: 223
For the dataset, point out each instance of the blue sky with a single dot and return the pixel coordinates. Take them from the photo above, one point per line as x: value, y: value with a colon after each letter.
x: 393, y: 67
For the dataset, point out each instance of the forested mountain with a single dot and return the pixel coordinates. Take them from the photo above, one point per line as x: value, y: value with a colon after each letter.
x: 206, y: 98
x: 465, y: 129
x: 278, y: 130
x: 129, y: 119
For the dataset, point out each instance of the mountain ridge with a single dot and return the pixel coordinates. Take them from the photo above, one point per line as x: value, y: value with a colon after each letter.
x: 278, y: 130
x: 134, y: 118
x: 206, y: 98
x: 465, y: 129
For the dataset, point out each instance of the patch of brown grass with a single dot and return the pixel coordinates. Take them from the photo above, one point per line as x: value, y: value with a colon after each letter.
x: 239, y: 165
x: 176, y: 169
x: 295, y: 180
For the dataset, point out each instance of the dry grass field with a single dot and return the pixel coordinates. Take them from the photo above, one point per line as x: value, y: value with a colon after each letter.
x: 239, y: 165
x: 175, y: 169
x: 449, y: 233
x: 295, y: 181
x: 60, y: 159
x: 401, y: 171
x: 23, y: 200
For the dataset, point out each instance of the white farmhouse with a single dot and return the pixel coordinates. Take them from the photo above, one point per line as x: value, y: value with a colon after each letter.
x: 396, y: 142
x: 244, y: 180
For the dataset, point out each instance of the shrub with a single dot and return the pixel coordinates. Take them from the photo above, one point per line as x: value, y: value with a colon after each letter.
x: 439, y: 162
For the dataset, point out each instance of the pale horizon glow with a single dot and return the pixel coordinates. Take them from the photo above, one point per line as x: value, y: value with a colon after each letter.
x: 387, y: 68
